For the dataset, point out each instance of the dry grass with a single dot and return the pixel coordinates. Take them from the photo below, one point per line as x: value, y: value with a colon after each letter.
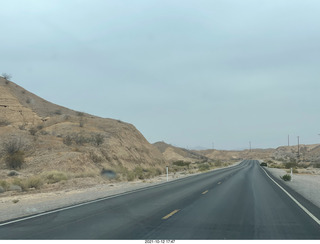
x: 52, y: 177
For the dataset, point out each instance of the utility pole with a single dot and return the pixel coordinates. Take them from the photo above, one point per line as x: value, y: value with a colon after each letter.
x: 288, y: 141
x: 250, y: 145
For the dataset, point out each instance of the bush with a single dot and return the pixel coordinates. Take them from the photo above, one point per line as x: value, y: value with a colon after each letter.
x: 6, y: 76
x: 67, y: 140
x: 204, y: 167
x: 4, y: 184
x: 95, y: 158
x: 286, y: 177
x: 12, y: 146
x: 15, y: 160
x: 218, y: 163
x: 4, y: 123
x: 264, y: 164
x: 21, y: 183
x: 54, y: 177
x: 181, y: 163
x: 34, y: 182
x: 97, y: 139
x: 291, y: 165
x: 80, y: 139
x: 33, y: 131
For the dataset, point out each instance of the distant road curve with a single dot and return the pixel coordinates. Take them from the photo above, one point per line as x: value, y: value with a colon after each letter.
x: 240, y: 202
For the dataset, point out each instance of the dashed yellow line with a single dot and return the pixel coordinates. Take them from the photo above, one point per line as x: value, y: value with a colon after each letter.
x: 204, y: 192
x: 170, y: 214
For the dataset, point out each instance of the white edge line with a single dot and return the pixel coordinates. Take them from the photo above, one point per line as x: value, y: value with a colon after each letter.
x: 76, y: 205
x: 97, y: 200
x: 299, y: 204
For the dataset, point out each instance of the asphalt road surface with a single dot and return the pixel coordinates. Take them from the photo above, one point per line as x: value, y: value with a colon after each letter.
x: 239, y: 202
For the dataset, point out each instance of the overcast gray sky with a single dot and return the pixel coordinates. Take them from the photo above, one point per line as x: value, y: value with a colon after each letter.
x: 189, y: 73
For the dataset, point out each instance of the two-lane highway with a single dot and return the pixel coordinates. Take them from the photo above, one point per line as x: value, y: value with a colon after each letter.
x: 239, y: 202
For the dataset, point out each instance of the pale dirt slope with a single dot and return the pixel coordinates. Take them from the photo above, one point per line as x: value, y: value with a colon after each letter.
x: 123, y: 149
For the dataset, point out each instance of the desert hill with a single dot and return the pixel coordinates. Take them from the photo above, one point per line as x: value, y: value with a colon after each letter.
x: 172, y: 153
x: 56, y: 140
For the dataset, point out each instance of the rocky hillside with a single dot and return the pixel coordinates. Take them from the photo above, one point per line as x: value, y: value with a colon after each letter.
x: 172, y: 153
x: 237, y: 155
x: 51, y: 139
x: 307, y: 153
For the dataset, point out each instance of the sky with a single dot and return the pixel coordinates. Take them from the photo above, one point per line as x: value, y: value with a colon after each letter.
x: 211, y: 74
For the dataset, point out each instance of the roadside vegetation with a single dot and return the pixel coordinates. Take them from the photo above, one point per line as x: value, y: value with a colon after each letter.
x: 13, y: 152
x: 286, y: 177
x: 95, y: 139
x: 291, y: 163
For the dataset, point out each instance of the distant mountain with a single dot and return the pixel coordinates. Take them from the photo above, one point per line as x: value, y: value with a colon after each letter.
x: 172, y: 153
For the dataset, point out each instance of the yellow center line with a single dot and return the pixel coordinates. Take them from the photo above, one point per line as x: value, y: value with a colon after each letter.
x: 170, y: 214
x: 204, y: 192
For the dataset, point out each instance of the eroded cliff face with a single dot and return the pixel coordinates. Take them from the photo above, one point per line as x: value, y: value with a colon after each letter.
x: 13, y: 112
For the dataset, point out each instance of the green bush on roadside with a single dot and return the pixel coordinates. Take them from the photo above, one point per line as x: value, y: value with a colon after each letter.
x: 286, y: 177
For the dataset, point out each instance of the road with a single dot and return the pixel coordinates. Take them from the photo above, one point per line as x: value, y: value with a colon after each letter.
x: 239, y: 202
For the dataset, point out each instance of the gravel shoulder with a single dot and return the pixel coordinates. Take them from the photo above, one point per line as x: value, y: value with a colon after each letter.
x: 307, y: 185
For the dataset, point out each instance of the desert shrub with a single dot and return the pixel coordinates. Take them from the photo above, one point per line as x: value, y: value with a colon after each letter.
x: 21, y: 183
x: 4, y: 123
x: 139, y: 173
x: 317, y: 165
x: 39, y: 127
x: 15, y: 160
x: 85, y: 174
x: 95, y: 158
x: 286, y: 177
x: 67, y: 140
x: 54, y: 177
x: 22, y: 127
x: 181, y: 163
x: 81, y: 118
x: 263, y: 164
x: 33, y: 131
x: 2, y: 190
x: 34, y: 182
x: 4, y: 184
x: 43, y: 132
x: 291, y: 164
x: 204, y: 167
x: 130, y: 176
x: 6, y: 76
x: 28, y: 100
x: 12, y: 146
x: 97, y: 139
x: 218, y: 163
x: 80, y: 139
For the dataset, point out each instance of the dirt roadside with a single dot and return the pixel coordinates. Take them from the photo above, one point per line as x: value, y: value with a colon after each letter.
x: 307, y: 185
